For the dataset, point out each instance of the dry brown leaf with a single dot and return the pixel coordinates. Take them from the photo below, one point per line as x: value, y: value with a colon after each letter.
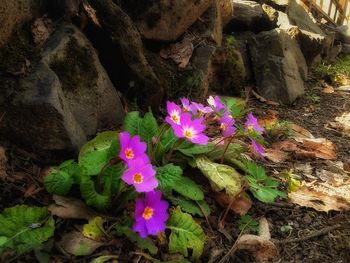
x: 91, y: 12
x: 240, y: 206
x: 75, y: 243
x: 344, y: 88
x: 262, y: 99
x: 322, y: 196
x: 299, y: 131
x: 261, y: 247
x: 276, y: 156
x: 41, y: 30
x: 287, y: 146
x: 328, y: 89
x: 71, y: 208
x: 321, y: 147
x: 347, y: 165
x: 180, y: 52
x: 268, y: 120
x: 344, y: 122
x: 31, y: 190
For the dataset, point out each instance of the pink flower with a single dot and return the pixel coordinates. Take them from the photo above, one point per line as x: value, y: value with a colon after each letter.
x: 227, y: 125
x: 131, y: 148
x: 215, y: 103
x: 252, y: 124
x: 140, y: 174
x: 191, y: 129
x: 150, y: 214
x: 258, y: 148
x: 187, y: 105
x: 201, y: 108
x: 174, y: 113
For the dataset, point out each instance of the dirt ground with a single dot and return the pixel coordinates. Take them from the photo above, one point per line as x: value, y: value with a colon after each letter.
x: 311, y: 236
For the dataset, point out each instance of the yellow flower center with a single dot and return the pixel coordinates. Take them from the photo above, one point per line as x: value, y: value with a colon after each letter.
x: 175, y: 117
x: 138, y: 178
x: 223, y: 126
x: 188, y: 133
x: 147, y: 213
x: 129, y: 153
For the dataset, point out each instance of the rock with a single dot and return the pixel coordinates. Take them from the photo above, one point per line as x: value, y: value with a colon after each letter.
x: 345, y: 49
x: 147, y: 90
x: 242, y: 45
x: 311, y: 44
x: 271, y: 14
x: 300, y: 18
x: 226, y: 7
x: 64, y: 100
x: 280, y: 5
x: 13, y: 13
x: 167, y: 20
x: 283, y: 20
x: 247, y: 15
x: 279, y: 66
x: 343, y: 34
x: 228, y: 77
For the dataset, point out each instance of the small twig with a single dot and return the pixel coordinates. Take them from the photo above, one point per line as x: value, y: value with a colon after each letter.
x: 313, y: 234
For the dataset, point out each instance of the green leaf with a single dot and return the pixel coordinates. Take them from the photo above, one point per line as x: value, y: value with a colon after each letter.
x: 132, y: 123
x: 246, y: 222
x: 111, y: 179
x: 185, y: 234
x: 103, y: 259
x: 143, y: 243
x: 114, y: 149
x: 170, y: 178
x: 3, y: 241
x: 91, y: 196
x: 194, y: 149
x: 232, y: 151
x: 58, y: 182
x: 167, y: 141
x: 189, y: 206
x: 221, y: 177
x: 94, y: 229
x: 25, y: 227
x: 148, y: 129
x: 96, y: 153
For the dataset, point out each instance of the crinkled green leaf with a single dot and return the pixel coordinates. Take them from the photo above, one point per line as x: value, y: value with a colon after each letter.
x: 194, y: 149
x: 148, y: 129
x: 232, y: 151
x: 165, y: 143
x: 91, y: 196
x: 111, y: 179
x: 58, y: 182
x: 25, y: 227
x: 220, y: 176
x: 246, y: 222
x: 185, y: 234
x: 170, y: 178
x: 132, y: 123
x: 200, y: 208
x: 94, y: 228
x: 96, y: 153
x: 144, y: 243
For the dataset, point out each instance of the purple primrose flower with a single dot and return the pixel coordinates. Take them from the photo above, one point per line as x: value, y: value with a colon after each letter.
x: 201, y: 108
x: 252, y: 124
x: 215, y: 103
x: 141, y: 175
x: 174, y: 113
x: 150, y: 214
x: 258, y: 148
x: 191, y: 129
x: 187, y: 104
x: 227, y: 125
x: 131, y: 147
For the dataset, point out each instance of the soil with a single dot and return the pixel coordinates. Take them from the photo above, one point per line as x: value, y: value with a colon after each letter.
x: 23, y: 184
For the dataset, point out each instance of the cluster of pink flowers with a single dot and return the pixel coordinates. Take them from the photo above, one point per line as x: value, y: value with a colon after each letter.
x: 188, y: 121
x: 150, y: 212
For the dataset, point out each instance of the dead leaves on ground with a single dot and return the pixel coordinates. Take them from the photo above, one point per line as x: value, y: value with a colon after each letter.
x: 180, y: 52
x: 341, y: 123
x: 240, y: 206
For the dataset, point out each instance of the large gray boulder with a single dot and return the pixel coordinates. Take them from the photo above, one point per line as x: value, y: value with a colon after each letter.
x: 64, y: 100
x: 247, y: 15
x: 279, y: 66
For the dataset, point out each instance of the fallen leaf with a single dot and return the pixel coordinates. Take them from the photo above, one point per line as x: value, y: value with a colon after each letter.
x: 287, y: 146
x: 321, y: 196
x: 276, y: 156
x: 41, y: 30
x: 344, y: 122
x: 305, y: 169
x: 76, y: 244
x: 328, y: 89
x: 344, y: 88
x: 261, y: 247
x: 240, y: 206
x: 71, y: 208
x: 94, y: 229
x: 180, y: 52
x: 347, y: 165
x: 91, y: 12
x: 31, y: 190
x: 299, y: 131
x: 269, y: 119
x: 262, y: 99
x: 320, y: 147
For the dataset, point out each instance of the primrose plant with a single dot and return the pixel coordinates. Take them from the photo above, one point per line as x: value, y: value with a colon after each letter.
x: 138, y: 174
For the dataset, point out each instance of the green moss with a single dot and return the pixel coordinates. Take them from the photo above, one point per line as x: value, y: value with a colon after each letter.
x: 76, y: 68
x: 338, y: 70
x: 187, y: 84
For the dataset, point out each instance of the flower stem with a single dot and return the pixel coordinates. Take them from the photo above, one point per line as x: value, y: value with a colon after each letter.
x: 163, y: 129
